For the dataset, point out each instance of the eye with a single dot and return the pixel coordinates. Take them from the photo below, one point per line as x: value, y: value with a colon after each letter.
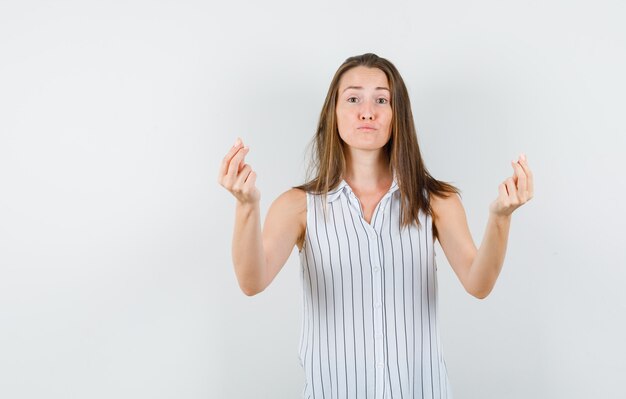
x: 350, y: 98
x: 384, y: 100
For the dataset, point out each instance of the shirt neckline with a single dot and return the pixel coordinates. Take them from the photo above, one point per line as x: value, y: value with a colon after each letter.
x: 345, y: 187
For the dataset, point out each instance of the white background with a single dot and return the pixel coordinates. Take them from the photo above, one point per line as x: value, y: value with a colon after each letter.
x: 116, y: 278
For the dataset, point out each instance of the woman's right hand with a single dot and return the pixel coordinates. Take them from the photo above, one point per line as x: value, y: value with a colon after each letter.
x: 238, y: 177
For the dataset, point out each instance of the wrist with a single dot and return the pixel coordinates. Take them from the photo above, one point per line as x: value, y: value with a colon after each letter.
x: 500, y: 219
x: 247, y: 205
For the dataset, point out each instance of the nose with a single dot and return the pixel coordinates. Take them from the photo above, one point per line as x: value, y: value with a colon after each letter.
x: 366, y: 112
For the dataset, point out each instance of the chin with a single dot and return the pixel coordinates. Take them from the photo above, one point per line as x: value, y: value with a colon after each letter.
x: 373, y: 143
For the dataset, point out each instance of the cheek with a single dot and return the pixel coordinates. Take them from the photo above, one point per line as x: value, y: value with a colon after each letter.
x: 341, y: 118
x: 388, y: 119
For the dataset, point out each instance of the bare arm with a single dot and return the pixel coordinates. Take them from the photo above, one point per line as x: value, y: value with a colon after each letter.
x: 479, y: 269
x: 259, y: 256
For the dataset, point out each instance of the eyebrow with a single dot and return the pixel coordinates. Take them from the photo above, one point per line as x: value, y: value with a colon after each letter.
x: 361, y: 88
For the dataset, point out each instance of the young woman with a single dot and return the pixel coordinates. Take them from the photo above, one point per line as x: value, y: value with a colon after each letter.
x: 365, y: 226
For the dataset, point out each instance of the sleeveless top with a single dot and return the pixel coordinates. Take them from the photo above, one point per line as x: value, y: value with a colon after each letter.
x: 369, y: 326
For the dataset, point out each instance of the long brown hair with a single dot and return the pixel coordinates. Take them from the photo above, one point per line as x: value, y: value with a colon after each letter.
x: 328, y: 164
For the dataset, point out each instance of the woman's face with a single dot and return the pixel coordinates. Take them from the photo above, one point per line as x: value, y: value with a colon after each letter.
x: 364, y: 108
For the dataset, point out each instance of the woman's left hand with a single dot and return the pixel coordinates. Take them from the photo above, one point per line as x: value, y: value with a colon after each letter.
x: 514, y: 191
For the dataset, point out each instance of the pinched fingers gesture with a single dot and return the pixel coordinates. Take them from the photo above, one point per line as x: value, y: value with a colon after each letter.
x: 238, y: 177
x: 514, y: 191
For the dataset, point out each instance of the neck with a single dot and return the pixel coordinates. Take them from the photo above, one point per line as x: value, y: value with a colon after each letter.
x: 367, y: 170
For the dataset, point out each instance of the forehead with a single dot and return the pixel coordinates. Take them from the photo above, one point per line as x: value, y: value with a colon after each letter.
x: 364, y: 77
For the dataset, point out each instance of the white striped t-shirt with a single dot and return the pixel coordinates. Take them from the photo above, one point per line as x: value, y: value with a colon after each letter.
x: 369, y: 327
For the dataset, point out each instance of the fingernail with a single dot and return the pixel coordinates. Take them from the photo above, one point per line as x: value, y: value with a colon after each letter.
x: 237, y: 142
x: 523, y: 156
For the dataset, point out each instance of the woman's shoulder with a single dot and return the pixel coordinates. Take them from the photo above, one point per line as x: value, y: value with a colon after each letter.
x: 292, y: 201
x: 293, y: 197
x: 442, y: 202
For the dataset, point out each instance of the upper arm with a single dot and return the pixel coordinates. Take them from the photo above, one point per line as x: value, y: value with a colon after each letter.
x: 283, y: 228
x: 453, y: 234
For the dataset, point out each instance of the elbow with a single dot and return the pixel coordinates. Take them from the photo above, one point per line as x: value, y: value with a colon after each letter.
x: 251, y: 290
x: 478, y: 293
x: 252, y: 282
x: 481, y: 295
x: 479, y: 288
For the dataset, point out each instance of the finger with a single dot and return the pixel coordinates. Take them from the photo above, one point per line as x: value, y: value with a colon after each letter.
x: 226, y: 160
x: 233, y: 150
x: 233, y: 166
x: 251, y: 180
x: 243, y: 163
x: 510, y: 186
x: 529, y: 175
x: 241, y: 178
x: 514, y: 177
x: 521, y: 179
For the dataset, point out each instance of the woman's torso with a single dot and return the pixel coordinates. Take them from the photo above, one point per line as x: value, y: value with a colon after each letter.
x: 370, y: 324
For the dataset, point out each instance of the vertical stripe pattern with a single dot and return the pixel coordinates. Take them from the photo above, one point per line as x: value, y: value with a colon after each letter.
x: 369, y: 326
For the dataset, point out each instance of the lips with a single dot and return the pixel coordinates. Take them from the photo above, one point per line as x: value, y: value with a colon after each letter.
x: 366, y: 127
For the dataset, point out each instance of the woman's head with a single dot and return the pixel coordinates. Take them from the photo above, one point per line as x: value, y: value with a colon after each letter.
x: 363, y: 109
x: 339, y: 122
